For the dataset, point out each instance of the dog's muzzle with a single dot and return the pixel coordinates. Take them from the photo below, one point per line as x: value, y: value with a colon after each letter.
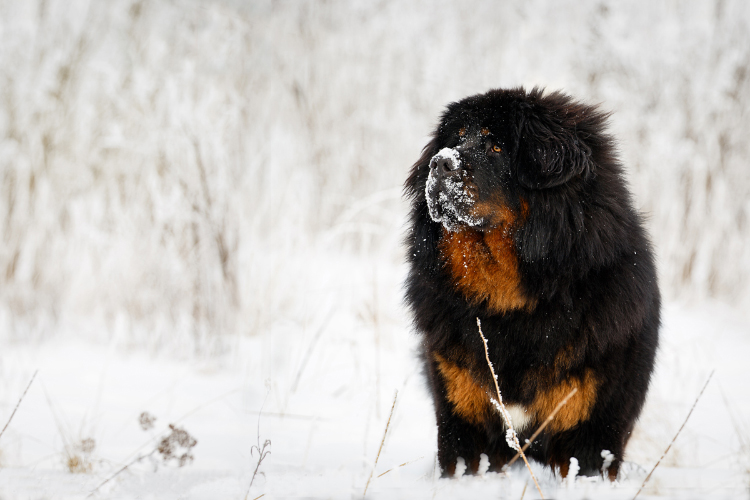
x: 445, y: 162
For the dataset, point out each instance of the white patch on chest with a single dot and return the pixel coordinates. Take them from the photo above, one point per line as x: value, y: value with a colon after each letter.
x: 519, y: 417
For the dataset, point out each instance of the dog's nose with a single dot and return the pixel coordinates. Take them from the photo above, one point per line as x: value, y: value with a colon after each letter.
x: 445, y: 162
x: 445, y: 165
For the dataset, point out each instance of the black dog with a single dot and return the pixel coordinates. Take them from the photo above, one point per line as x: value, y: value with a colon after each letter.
x: 521, y: 218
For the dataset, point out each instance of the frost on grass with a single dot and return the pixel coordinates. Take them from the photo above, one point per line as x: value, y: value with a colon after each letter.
x: 510, y: 438
x: 447, y: 201
x: 510, y: 434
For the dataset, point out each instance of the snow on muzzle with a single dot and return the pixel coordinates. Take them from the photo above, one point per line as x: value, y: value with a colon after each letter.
x: 446, y: 160
x: 447, y: 202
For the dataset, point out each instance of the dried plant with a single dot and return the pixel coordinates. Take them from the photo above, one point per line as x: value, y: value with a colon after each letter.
x: 177, y: 446
x: 675, y: 436
x: 78, y: 456
x: 146, y: 421
x: 511, y: 436
x: 257, y: 448
x: 382, y: 442
x: 19, y: 403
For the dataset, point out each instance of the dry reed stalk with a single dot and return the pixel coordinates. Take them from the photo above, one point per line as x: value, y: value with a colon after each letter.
x: 119, y: 471
x: 405, y: 463
x: 311, y: 347
x: 675, y: 436
x: 146, y: 455
x: 544, y: 424
x: 382, y: 441
x: 504, y: 412
x: 19, y: 403
x: 524, y: 489
x: 262, y: 453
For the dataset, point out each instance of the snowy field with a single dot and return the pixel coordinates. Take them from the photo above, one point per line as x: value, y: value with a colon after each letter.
x: 201, y: 223
x: 326, y: 393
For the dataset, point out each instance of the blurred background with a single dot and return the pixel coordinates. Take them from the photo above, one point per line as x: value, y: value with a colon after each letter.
x: 173, y: 171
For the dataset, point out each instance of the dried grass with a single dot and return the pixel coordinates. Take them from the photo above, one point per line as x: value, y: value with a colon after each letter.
x: 504, y: 412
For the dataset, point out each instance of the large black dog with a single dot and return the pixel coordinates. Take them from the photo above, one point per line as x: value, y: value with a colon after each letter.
x: 521, y: 218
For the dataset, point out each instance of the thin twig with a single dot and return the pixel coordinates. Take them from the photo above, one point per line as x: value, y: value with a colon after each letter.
x: 19, y: 403
x: 119, y: 471
x: 261, y: 455
x: 141, y: 457
x: 544, y: 424
x: 382, y: 441
x: 310, y: 348
x: 675, y: 436
x: 524, y: 489
x: 504, y: 411
x: 405, y: 463
x: 261, y: 450
x: 177, y: 421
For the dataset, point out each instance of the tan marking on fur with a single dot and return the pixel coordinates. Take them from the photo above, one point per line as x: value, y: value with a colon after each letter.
x: 576, y: 410
x: 564, y: 359
x: 485, y: 131
x: 485, y: 267
x: 524, y: 209
x: 564, y: 468
x: 495, y: 212
x: 612, y: 473
x: 469, y: 399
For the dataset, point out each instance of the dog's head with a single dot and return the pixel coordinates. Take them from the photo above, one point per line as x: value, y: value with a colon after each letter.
x: 491, y: 152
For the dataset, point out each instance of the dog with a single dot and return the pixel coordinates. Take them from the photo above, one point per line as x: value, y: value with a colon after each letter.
x: 521, y: 219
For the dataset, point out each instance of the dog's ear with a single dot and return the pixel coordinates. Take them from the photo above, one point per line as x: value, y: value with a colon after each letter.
x: 549, y: 151
x: 415, y: 183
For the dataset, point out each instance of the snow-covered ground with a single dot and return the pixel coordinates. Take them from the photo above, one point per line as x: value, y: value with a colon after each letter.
x: 322, y: 394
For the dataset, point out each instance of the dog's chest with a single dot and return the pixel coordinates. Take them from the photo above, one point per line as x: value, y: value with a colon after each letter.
x: 484, y: 267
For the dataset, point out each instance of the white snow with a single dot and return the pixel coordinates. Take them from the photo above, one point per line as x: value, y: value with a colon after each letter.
x: 484, y: 464
x: 573, y: 470
x: 460, y: 468
x: 325, y: 434
x: 608, y: 458
x: 449, y: 153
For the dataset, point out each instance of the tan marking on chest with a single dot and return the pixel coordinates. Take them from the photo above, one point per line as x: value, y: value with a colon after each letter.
x: 484, y: 267
x: 469, y: 399
x: 576, y: 410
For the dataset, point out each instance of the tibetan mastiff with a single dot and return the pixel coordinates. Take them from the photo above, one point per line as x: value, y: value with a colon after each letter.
x: 521, y: 218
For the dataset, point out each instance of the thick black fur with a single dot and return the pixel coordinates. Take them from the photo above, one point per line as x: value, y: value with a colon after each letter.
x: 583, y: 258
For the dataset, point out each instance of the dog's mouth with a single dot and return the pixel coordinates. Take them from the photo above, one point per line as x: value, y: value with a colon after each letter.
x: 449, y: 199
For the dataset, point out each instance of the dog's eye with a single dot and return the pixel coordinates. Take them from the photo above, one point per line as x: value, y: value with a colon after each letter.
x: 462, y: 132
x: 496, y: 148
